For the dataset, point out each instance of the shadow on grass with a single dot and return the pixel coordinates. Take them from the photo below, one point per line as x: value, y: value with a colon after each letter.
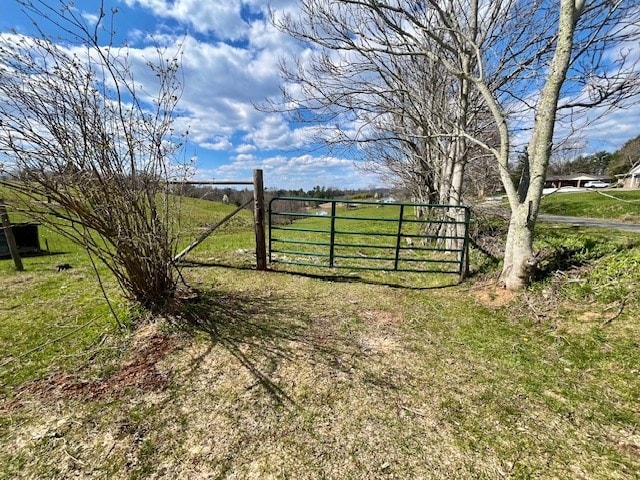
x: 328, y: 277
x: 42, y: 253
x: 241, y: 325
x: 259, y: 330
x: 564, y: 251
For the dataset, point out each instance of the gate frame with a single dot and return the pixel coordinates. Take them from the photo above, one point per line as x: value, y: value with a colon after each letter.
x: 463, y: 261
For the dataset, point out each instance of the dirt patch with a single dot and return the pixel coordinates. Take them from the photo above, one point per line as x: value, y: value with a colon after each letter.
x: 494, y: 296
x: 379, y: 318
x: 141, y: 372
x: 589, y: 316
x: 381, y: 333
x: 378, y: 344
x: 625, y: 442
x: 323, y: 329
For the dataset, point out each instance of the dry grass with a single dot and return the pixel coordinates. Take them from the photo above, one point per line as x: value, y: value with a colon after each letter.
x: 284, y: 376
x: 273, y: 375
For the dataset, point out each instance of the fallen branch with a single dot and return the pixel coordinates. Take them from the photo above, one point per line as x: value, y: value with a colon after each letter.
x: 619, y: 312
x: 616, y: 198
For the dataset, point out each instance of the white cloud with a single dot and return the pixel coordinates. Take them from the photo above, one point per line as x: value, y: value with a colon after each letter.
x: 221, y: 85
x: 222, y: 143
x: 246, y: 148
x: 220, y: 18
x: 245, y: 159
x: 223, y: 82
x: 608, y: 130
x: 90, y: 18
x: 301, y: 171
x: 275, y: 133
x: 231, y: 62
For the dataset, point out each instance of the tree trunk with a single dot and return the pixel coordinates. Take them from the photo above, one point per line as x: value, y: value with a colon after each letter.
x: 519, y: 260
x: 455, y: 214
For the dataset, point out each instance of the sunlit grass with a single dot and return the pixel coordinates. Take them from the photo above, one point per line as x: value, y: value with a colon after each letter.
x: 366, y: 237
x: 320, y: 375
x: 625, y: 205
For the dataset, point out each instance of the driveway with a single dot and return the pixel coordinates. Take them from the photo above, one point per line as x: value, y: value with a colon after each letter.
x: 591, y: 222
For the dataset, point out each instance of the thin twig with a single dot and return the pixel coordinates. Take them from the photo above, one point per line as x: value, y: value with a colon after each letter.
x: 410, y: 410
x: 113, y: 445
x: 618, y: 313
x: 74, y: 458
x: 104, y: 292
x: 40, y: 347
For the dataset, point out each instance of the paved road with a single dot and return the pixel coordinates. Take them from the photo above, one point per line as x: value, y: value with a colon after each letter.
x: 591, y: 222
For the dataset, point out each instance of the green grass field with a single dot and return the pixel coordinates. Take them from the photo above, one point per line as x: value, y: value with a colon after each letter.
x: 365, y: 237
x: 624, y: 206
x: 321, y: 375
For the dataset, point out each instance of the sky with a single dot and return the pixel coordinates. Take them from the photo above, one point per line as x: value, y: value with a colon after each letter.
x: 231, y: 58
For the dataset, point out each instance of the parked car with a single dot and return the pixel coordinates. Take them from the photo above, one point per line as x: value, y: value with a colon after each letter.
x: 596, y: 184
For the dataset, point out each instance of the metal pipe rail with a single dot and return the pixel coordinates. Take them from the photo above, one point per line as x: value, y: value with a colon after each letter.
x: 332, y: 236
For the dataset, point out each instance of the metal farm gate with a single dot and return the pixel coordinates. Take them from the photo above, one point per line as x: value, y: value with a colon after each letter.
x: 365, y: 235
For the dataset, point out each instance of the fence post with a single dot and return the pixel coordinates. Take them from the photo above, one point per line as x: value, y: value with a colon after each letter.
x: 270, y: 212
x: 11, y: 239
x: 258, y: 218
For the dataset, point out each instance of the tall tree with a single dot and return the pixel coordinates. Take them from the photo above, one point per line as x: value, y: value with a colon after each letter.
x: 406, y: 112
x: 627, y: 157
x: 532, y: 64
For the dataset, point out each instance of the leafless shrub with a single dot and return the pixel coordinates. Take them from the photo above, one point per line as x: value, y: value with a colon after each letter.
x: 89, y: 152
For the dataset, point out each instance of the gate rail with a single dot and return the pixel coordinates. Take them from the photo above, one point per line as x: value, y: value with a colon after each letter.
x: 332, y: 237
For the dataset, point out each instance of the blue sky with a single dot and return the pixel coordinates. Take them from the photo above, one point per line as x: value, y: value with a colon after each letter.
x: 230, y: 63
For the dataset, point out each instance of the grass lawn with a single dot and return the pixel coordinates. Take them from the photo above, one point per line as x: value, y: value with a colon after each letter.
x: 298, y: 375
x: 307, y: 241
x: 623, y: 205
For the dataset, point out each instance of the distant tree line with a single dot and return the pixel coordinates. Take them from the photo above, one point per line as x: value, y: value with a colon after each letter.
x: 598, y: 163
x: 625, y: 158
x: 238, y: 197
x: 602, y: 162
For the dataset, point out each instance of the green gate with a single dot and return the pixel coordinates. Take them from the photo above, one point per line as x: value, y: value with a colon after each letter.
x: 365, y: 235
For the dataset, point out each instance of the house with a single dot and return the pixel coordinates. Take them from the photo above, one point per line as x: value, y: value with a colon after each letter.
x: 575, y: 180
x: 631, y: 179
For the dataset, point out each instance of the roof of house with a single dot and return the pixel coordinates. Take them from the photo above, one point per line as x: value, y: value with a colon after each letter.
x: 576, y: 177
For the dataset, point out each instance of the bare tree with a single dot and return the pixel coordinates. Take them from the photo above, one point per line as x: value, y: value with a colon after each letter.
x: 406, y: 111
x: 88, y: 151
x: 532, y: 64
x: 403, y: 110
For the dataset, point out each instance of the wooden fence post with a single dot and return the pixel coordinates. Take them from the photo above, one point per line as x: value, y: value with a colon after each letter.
x: 11, y: 239
x: 258, y: 217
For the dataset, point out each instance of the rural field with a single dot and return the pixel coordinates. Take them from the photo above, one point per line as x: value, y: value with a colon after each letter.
x: 317, y: 374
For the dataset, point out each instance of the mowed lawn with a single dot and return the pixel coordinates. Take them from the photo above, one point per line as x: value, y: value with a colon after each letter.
x: 622, y: 205
x: 312, y: 375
